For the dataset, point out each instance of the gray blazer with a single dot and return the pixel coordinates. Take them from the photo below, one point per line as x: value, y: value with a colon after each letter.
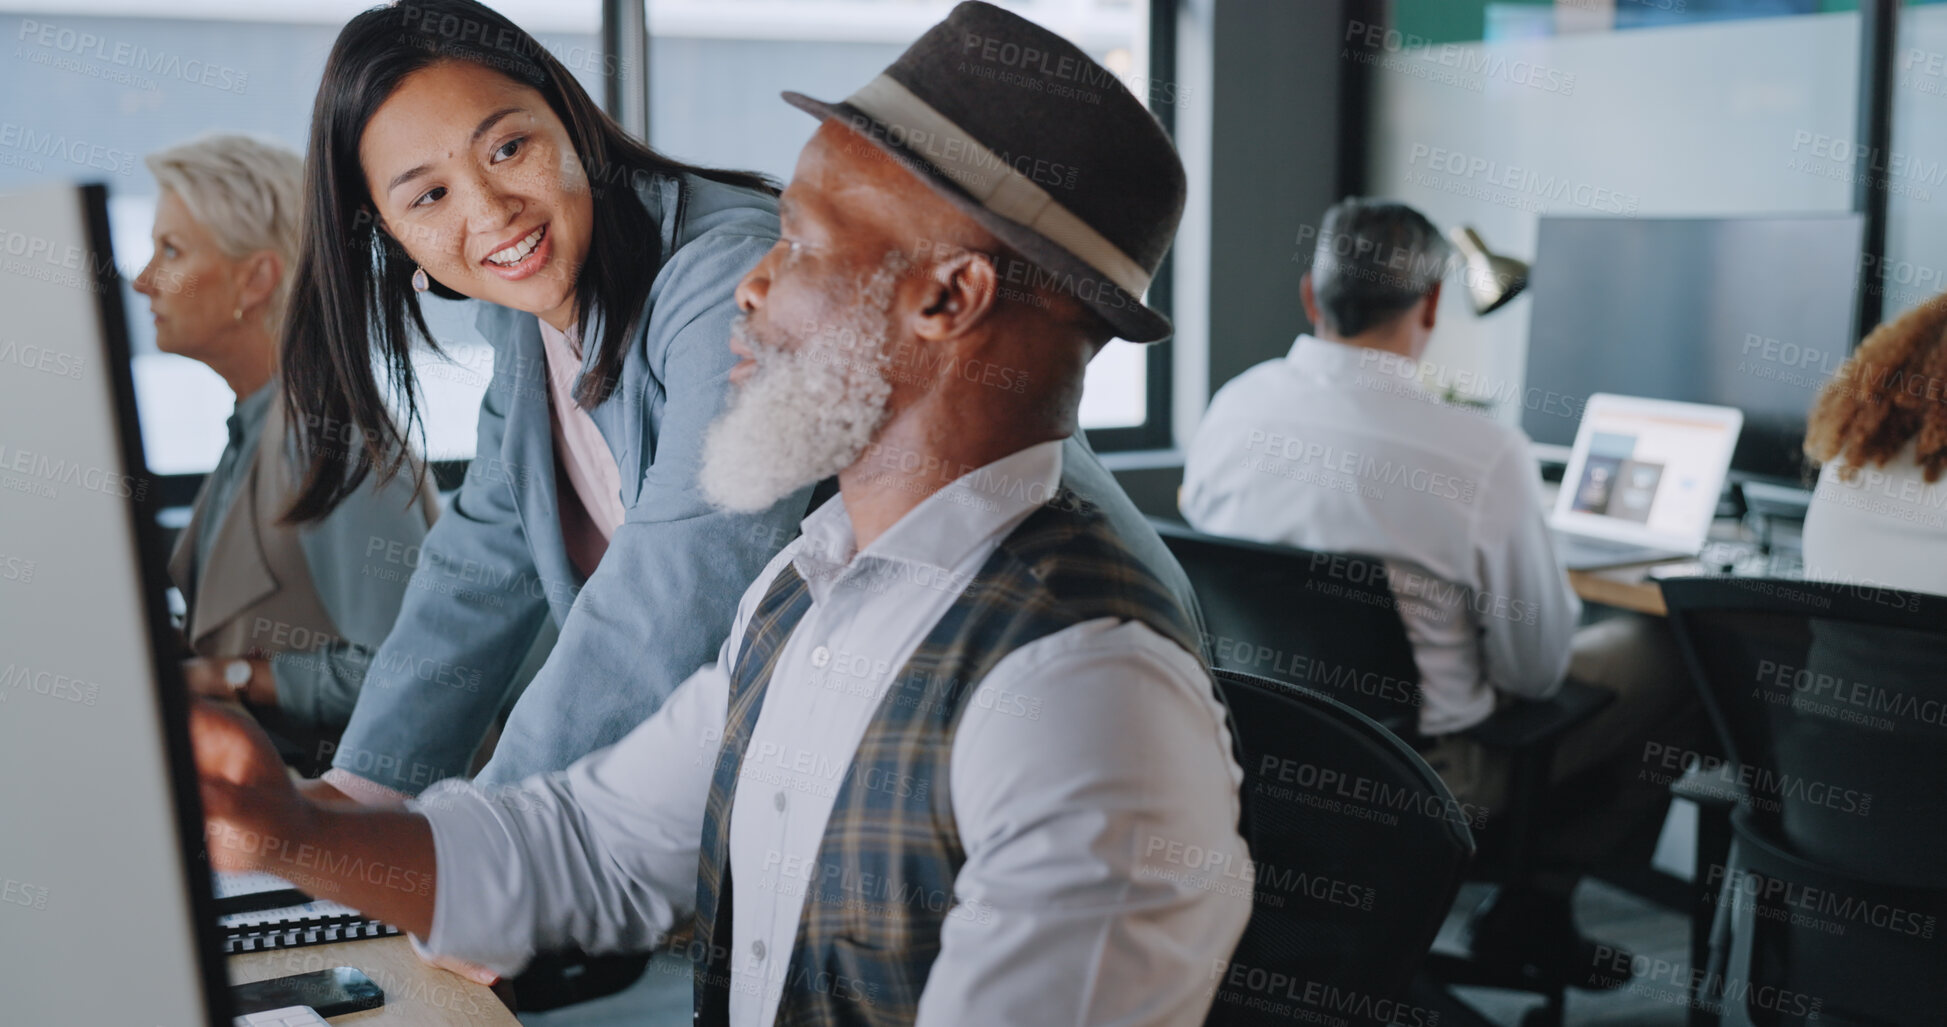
x: 495, y: 567
x: 293, y: 595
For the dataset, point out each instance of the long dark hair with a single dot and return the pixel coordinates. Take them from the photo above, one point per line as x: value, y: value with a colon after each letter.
x: 352, y: 300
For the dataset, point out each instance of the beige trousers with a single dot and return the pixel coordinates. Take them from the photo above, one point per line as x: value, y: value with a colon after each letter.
x: 1601, y: 804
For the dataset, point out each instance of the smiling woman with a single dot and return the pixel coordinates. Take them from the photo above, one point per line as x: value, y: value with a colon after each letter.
x: 452, y: 153
x: 454, y: 209
x: 420, y: 151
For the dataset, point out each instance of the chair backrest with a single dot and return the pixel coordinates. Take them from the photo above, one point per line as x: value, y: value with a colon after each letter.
x: 1832, y: 699
x: 1323, y: 621
x: 1358, y: 852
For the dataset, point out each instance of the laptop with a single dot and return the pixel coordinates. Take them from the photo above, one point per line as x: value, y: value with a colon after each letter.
x: 1642, y: 482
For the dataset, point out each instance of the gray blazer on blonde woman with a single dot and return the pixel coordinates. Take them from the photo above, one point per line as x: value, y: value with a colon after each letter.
x: 303, y: 597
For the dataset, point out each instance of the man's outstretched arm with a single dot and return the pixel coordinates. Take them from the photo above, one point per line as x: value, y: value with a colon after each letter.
x: 379, y: 862
x: 602, y: 855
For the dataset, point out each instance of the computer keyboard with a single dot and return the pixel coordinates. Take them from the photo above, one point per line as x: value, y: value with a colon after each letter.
x: 289, y: 1016
x: 298, y: 931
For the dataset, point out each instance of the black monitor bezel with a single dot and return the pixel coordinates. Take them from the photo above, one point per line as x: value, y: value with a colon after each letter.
x: 1769, y: 472
x: 172, y: 695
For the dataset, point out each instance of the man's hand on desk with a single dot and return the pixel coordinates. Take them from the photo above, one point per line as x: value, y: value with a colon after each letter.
x: 378, y: 862
x: 248, y: 799
x: 471, y: 971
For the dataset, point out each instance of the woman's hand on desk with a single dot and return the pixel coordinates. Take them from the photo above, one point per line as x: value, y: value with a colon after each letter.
x: 210, y: 676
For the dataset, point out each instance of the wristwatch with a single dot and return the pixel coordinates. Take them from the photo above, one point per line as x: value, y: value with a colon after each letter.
x: 237, y: 675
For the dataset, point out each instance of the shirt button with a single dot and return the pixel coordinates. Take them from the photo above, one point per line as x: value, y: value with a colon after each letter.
x: 821, y: 656
x: 777, y: 801
x: 757, y: 949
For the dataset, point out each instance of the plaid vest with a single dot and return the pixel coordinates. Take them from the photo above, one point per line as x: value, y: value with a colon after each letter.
x: 881, y: 886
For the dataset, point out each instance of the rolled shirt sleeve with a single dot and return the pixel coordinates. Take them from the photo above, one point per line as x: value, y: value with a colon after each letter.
x: 602, y: 855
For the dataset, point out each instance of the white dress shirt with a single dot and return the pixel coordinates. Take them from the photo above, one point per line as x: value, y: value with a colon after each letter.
x: 1338, y: 449
x: 1886, y: 527
x: 1091, y: 779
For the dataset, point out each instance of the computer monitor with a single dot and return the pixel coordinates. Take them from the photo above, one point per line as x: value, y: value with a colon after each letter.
x: 105, y: 911
x: 1752, y: 313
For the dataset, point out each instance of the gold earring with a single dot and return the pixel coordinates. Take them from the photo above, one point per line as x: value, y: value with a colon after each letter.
x: 420, y: 283
x: 237, y: 314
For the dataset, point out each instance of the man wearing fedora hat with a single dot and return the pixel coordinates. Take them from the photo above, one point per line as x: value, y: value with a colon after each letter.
x: 959, y: 760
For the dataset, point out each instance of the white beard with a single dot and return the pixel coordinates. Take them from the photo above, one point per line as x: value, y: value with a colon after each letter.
x: 804, y: 414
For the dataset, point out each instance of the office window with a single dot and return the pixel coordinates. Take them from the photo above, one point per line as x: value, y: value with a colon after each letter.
x: 717, y: 66
x: 87, y: 92
x: 1914, y: 171
x: 1495, y: 115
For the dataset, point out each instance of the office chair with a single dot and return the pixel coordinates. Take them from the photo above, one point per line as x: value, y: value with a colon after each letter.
x: 1830, y: 888
x: 1348, y: 889
x: 1327, y: 622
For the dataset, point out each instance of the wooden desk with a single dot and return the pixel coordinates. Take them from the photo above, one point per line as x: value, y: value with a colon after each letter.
x: 416, y: 995
x: 1635, y: 588
x: 1628, y: 588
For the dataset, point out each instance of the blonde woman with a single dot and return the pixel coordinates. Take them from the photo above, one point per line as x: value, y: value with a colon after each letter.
x: 282, y: 618
x: 1879, y: 514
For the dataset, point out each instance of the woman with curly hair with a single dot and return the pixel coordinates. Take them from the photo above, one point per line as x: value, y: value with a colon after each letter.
x: 1880, y: 429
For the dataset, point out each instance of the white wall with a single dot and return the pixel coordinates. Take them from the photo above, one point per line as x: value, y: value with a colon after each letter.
x: 1916, y: 231
x: 1720, y: 119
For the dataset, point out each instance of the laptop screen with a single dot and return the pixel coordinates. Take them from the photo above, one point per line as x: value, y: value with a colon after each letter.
x: 1647, y: 471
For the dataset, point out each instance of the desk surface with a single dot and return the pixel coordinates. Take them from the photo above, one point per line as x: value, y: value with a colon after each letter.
x: 1635, y: 587
x: 1730, y: 548
x: 416, y: 995
x: 1628, y: 588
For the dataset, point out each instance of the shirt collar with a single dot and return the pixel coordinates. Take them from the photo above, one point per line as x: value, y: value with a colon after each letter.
x: 570, y: 339
x: 969, y: 512
x: 1340, y: 363
x: 251, y: 410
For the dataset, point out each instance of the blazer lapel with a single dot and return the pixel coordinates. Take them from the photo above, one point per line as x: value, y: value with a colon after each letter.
x: 182, y: 559
x: 527, y: 445
x: 237, y: 576
x: 622, y: 418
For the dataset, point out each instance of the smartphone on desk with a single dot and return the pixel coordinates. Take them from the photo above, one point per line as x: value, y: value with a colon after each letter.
x: 333, y: 992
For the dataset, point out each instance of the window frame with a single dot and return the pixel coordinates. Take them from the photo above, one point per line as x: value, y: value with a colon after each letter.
x: 1159, y: 377
x: 625, y: 27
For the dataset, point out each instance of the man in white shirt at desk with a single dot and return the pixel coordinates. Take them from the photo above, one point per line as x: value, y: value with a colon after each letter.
x: 1337, y: 448
x: 980, y: 772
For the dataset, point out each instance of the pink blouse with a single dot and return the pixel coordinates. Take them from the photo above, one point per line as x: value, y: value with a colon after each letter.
x: 591, y: 505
